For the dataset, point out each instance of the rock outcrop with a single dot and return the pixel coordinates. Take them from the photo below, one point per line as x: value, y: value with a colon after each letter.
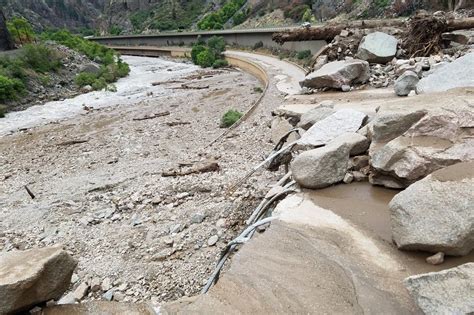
x: 377, y: 47
x: 436, y: 214
x: 412, y: 141
x: 406, y: 83
x: 336, y: 74
x: 33, y: 276
x: 341, y: 122
x: 456, y: 74
x: 446, y: 292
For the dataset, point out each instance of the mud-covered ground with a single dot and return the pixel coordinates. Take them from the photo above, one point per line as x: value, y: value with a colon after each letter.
x: 97, y: 179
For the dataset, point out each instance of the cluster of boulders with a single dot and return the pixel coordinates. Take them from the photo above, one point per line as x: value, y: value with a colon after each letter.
x: 358, y: 57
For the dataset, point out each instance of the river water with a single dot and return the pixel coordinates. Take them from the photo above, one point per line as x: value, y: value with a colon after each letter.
x: 130, y: 90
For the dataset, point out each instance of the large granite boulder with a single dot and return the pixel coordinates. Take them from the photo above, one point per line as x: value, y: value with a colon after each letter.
x: 436, y: 214
x: 456, y: 74
x: 377, y: 47
x: 406, y: 83
x: 338, y: 73
x: 314, y: 115
x: 33, y: 276
x: 440, y: 135
x: 327, y: 165
x: 341, y: 122
x: 100, y: 308
x: 449, y: 291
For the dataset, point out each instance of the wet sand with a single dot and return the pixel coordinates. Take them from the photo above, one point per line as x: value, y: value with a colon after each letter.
x: 366, y: 207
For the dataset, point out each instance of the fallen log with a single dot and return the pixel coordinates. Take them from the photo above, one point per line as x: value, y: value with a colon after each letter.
x: 329, y: 31
x: 200, y: 167
x: 189, y: 87
x: 72, y: 142
x: 152, y: 116
x: 30, y: 192
x: 177, y: 123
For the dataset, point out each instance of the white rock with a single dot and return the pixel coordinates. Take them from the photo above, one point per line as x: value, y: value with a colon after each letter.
x: 377, y: 47
x: 338, y: 73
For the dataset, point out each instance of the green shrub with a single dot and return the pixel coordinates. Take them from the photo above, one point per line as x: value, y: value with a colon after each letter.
x: 41, y: 58
x: 205, y: 58
x: 303, y: 54
x: 219, y: 63
x: 258, y: 45
x: 296, y: 12
x: 21, y: 30
x: 258, y: 89
x: 239, y: 18
x: 218, y: 18
x: 230, y: 118
x: 10, y: 88
x: 99, y: 84
x: 85, y: 78
x: 216, y: 44
x: 195, y: 52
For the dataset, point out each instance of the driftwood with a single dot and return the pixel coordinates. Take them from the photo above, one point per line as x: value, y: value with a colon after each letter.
x: 188, y: 87
x: 30, y: 192
x: 329, y: 31
x: 197, y: 168
x: 152, y: 116
x: 72, y: 142
x: 166, y: 82
x: 177, y: 123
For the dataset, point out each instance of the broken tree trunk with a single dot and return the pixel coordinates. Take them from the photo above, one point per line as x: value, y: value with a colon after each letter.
x: 329, y: 31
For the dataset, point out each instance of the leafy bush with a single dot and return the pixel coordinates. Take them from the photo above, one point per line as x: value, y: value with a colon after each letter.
x: 219, y: 63
x: 257, y: 89
x: 303, y: 54
x: 10, y: 88
x: 218, y: 18
x: 230, y: 118
x: 296, y: 12
x: 41, y: 58
x: 85, y: 78
x: 205, y: 58
x: 239, y: 18
x: 195, y: 52
x: 21, y: 30
x: 258, y: 45
x: 216, y: 44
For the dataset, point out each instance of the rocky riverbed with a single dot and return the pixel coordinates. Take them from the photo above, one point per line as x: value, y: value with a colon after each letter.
x: 95, y: 167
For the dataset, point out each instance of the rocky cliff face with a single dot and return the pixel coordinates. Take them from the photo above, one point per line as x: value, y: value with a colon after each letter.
x: 73, y: 14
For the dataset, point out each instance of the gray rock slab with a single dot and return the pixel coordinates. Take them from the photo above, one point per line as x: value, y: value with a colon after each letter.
x: 436, y: 214
x: 449, y: 291
x: 459, y: 73
x: 377, y: 47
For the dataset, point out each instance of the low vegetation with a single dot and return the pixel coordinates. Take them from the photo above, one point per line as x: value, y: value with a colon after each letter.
x: 209, y: 54
x: 230, y: 118
x: 112, y: 67
x: 217, y: 19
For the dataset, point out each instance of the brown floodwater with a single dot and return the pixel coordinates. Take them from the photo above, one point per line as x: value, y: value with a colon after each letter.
x: 366, y: 207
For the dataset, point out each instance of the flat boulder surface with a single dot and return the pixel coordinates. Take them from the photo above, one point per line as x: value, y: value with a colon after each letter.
x: 33, y: 276
x: 377, y: 47
x: 436, y: 214
x: 341, y: 122
x: 449, y: 291
x: 458, y: 73
x: 100, y: 307
x: 338, y: 73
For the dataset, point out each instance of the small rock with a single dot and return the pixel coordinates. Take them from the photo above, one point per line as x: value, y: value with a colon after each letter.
x: 198, y: 218
x: 108, y: 295
x: 436, y: 259
x: 348, y: 178
x: 81, y: 291
x: 67, y: 299
x: 221, y: 223
x: 118, y: 296
x: 168, y: 241
x: 406, y: 83
x: 345, y: 88
x: 95, y: 285
x: 106, y: 284
x: 212, y: 240
x: 344, y: 33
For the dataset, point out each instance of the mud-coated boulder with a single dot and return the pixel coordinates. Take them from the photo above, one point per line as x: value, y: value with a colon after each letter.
x: 341, y: 122
x: 337, y: 74
x: 456, y: 74
x: 436, y: 214
x: 406, y: 83
x: 450, y: 291
x: 327, y: 165
x: 377, y: 47
x: 33, y: 276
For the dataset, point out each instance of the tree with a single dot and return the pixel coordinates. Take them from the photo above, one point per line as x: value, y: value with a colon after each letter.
x: 21, y: 30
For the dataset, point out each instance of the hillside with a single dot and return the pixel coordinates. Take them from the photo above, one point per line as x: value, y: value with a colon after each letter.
x: 142, y: 16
